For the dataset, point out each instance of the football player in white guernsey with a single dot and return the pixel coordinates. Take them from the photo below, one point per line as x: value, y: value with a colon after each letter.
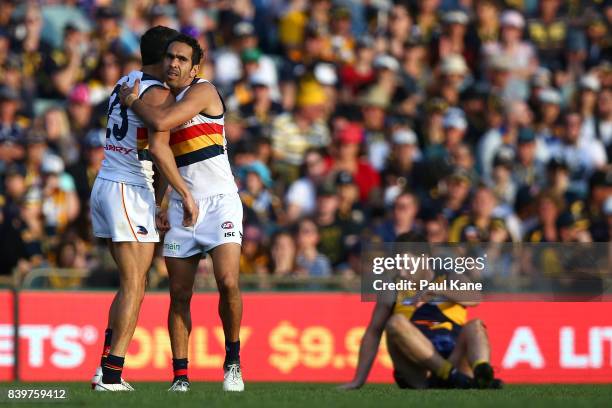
x: 198, y: 143
x: 123, y: 202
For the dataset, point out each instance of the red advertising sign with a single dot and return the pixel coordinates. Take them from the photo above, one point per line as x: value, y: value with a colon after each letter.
x: 6, y: 335
x: 295, y: 337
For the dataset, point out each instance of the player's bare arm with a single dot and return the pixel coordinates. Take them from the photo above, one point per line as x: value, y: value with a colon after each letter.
x: 163, y: 158
x: 200, y: 97
x: 369, y: 344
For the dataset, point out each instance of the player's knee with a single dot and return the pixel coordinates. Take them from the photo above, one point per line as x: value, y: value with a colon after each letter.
x: 477, y: 325
x: 228, y: 283
x: 134, y: 287
x: 180, y: 296
x: 395, y: 325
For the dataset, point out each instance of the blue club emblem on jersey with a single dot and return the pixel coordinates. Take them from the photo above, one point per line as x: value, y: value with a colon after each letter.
x: 141, y: 230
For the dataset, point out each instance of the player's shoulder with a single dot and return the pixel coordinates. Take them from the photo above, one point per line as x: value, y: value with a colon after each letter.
x: 201, y: 85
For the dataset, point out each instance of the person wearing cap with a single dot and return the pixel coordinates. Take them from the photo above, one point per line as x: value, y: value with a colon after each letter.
x: 403, y: 163
x: 502, y: 183
x: 256, y: 196
x: 294, y: 133
x: 586, y: 99
x: 325, y: 74
x: 342, y: 40
x: 335, y: 235
x: 242, y: 92
x: 387, y: 69
x: 261, y: 111
x: 528, y: 169
x: 349, y: 139
x: 454, y: 29
x: 454, y: 69
x: 454, y: 78
x: 455, y: 126
x: 522, y: 59
x: 548, y: 126
x: 80, y: 111
x: 354, y: 75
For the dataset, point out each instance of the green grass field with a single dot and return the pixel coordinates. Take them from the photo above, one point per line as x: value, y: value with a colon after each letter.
x: 266, y: 395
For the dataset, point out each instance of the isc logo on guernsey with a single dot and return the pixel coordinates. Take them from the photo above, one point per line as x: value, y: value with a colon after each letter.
x: 63, y: 344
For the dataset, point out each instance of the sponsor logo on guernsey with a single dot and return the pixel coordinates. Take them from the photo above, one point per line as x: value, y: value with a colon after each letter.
x: 227, y: 225
x: 172, y: 246
x: 118, y: 149
x: 141, y: 230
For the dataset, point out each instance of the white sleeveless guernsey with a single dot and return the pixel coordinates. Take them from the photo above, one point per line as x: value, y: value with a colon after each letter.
x: 200, y: 151
x: 126, y: 157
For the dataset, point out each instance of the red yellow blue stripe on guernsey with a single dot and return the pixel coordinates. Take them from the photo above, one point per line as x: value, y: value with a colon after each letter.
x: 197, y: 142
x: 142, y: 144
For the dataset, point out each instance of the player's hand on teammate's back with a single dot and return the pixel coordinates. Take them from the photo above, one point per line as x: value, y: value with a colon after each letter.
x: 161, y: 221
x: 125, y: 91
x: 190, y: 211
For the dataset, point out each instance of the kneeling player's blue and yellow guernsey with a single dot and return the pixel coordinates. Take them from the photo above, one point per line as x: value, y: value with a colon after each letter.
x: 440, y: 322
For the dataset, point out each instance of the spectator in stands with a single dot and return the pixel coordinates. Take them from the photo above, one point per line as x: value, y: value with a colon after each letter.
x: 282, y: 254
x: 80, y: 111
x: 454, y: 202
x: 475, y: 226
x: 84, y: 171
x: 349, y: 139
x: 253, y: 259
x: 301, y: 195
x: 259, y: 202
x: 293, y: 134
x: 309, y: 261
x: 60, y: 203
x: 549, y: 207
x: 403, y: 219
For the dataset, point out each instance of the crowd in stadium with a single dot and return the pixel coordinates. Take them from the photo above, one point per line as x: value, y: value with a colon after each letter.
x: 348, y: 122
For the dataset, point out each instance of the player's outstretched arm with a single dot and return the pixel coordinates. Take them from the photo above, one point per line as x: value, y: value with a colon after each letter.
x: 369, y: 345
x: 163, y: 118
x: 164, y: 160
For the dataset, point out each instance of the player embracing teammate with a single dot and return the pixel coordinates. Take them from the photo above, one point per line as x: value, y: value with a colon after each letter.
x: 197, y: 141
